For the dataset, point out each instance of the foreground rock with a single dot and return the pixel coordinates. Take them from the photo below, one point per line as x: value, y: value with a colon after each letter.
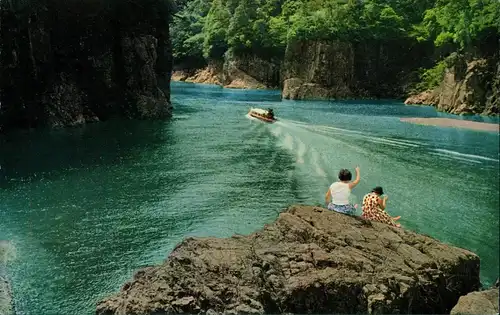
x: 481, y: 302
x: 310, y: 260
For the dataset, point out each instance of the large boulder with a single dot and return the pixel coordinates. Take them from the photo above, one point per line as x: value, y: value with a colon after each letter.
x: 211, y: 74
x: 310, y: 260
x: 429, y: 97
x: 475, y: 303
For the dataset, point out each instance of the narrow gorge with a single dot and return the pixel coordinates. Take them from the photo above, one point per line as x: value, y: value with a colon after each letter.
x: 352, y: 50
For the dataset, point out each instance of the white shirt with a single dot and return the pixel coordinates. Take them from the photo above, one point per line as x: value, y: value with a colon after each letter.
x: 340, y: 193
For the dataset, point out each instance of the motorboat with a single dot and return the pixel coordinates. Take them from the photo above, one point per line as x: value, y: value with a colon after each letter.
x: 266, y: 115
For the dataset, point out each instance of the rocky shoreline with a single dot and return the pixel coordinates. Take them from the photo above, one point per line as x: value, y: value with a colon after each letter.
x: 310, y: 260
x: 467, y: 87
x: 212, y: 75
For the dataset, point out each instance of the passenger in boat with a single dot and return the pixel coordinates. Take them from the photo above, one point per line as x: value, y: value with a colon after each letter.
x: 374, y: 208
x: 337, y: 195
x: 270, y: 113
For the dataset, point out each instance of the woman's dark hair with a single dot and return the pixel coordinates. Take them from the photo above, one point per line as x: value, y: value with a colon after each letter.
x: 378, y: 190
x: 345, y: 175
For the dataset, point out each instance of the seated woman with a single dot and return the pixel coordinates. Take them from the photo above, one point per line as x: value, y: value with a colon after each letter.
x: 338, y: 195
x: 374, y: 208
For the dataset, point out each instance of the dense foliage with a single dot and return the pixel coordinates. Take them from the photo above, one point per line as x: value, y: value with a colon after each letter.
x: 208, y: 29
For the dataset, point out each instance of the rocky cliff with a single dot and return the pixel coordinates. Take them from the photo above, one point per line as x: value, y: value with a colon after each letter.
x: 67, y: 63
x: 310, y: 260
x: 244, y: 71
x: 335, y: 69
x: 468, y: 87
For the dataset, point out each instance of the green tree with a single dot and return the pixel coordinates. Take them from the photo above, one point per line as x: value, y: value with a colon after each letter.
x: 460, y: 22
x: 187, y: 31
x: 215, y: 31
x: 240, y: 34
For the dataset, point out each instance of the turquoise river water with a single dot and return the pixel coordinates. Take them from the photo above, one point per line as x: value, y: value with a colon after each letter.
x: 85, y: 207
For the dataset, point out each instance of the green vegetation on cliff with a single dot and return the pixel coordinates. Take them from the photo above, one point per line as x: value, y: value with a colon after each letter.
x: 207, y: 30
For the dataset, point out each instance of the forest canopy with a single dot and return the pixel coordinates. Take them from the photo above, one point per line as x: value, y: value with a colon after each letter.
x: 208, y: 29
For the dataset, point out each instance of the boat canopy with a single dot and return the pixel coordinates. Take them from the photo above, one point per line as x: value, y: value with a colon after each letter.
x: 259, y: 111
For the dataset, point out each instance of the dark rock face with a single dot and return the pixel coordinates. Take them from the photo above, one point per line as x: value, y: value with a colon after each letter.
x: 480, y: 302
x: 493, y: 97
x: 372, y: 69
x: 265, y: 72
x: 67, y: 63
x: 318, y: 70
x: 467, y: 88
x: 310, y: 260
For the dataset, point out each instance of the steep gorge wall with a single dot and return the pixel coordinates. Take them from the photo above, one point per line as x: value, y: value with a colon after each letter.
x: 64, y: 64
x: 265, y: 72
x: 467, y: 87
x: 335, y: 69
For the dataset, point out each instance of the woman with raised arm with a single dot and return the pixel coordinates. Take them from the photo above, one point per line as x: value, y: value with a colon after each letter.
x: 338, y: 194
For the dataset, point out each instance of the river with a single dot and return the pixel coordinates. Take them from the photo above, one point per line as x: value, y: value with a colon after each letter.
x: 85, y: 207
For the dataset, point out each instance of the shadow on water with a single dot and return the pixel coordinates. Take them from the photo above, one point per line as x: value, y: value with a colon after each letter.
x: 32, y: 155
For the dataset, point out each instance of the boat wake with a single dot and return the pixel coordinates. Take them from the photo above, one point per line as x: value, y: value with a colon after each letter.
x: 463, y: 156
x: 320, y: 151
x: 368, y: 144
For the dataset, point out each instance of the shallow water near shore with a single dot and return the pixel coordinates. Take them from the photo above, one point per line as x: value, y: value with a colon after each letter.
x: 85, y: 207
